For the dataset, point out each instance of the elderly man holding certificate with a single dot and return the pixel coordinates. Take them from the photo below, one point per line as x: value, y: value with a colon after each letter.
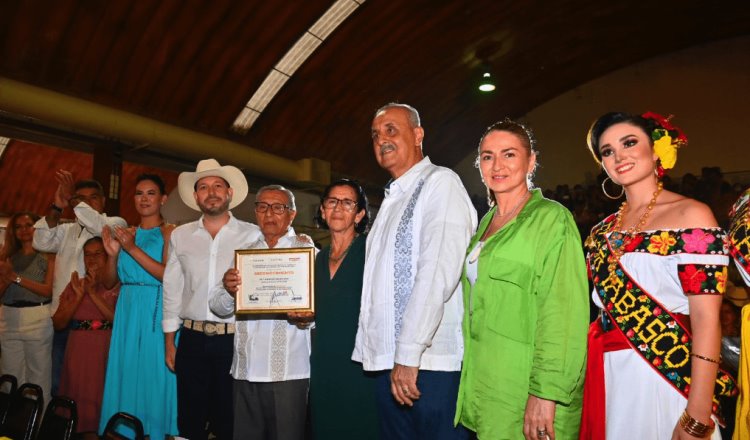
x: 271, y: 364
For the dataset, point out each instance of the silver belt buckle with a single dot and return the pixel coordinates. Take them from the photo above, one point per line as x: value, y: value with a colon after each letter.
x: 210, y: 328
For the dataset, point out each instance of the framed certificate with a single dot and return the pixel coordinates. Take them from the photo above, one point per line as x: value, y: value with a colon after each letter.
x: 276, y: 280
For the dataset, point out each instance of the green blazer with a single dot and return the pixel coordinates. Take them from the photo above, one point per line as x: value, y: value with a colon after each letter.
x: 525, y: 323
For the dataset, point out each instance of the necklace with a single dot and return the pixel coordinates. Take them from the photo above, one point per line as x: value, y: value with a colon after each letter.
x: 332, y: 259
x: 523, y: 199
x: 500, y: 216
x: 622, y: 239
x: 140, y: 225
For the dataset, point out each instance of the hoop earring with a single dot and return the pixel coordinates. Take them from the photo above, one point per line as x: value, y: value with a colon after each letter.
x: 604, y: 189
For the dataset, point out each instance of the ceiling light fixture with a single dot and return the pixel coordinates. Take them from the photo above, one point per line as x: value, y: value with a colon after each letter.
x: 292, y: 60
x: 486, y: 84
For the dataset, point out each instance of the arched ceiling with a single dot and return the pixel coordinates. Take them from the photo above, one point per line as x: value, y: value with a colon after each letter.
x: 195, y: 63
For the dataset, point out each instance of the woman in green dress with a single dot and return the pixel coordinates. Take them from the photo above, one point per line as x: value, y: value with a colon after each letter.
x: 525, y: 303
x: 341, y: 395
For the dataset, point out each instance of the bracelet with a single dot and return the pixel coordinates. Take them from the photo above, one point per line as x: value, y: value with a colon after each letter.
x: 705, y: 358
x: 694, y: 427
x: 56, y: 208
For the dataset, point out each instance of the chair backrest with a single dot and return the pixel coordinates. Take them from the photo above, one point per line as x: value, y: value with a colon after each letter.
x: 24, y: 413
x: 8, y: 385
x: 115, y: 423
x: 60, y: 419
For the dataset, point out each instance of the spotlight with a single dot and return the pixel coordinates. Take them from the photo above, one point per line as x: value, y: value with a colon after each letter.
x: 486, y: 84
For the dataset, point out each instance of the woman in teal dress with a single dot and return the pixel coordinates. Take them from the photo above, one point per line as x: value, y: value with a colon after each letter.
x: 138, y: 380
x: 525, y: 303
x: 341, y: 395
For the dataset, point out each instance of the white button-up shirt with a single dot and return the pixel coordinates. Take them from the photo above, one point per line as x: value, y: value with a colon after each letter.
x: 266, y: 350
x: 411, y: 307
x: 196, y: 264
x: 66, y: 240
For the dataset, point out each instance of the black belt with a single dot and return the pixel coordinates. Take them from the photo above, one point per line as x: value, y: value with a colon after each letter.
x: 22, y: 304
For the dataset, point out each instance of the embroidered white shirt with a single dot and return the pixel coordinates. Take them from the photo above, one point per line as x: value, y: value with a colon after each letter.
x: 196, y: 264
x: 66, y: 240
x: 266, y: 349
x: 411, y: 307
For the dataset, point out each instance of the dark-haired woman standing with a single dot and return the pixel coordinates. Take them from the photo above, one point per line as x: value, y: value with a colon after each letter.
x: 659, y: 268
x: 341, y: 395
x: 138, y: 380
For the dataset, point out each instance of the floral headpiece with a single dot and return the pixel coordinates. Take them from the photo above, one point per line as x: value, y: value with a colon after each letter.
x: 667, y: 139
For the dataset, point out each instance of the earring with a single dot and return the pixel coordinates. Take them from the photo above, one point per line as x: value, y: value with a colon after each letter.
x: 604, y: 189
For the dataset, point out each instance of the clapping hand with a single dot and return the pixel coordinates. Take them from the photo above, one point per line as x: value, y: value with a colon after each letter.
x: 65, y: 188
x: 111, y: 245
x: 77, y: 284
x: 125, y: 236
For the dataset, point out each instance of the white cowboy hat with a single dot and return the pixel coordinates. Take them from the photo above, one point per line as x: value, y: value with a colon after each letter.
x: 210, y: 167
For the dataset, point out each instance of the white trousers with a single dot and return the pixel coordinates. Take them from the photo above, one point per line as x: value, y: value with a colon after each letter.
x: 26, y: 344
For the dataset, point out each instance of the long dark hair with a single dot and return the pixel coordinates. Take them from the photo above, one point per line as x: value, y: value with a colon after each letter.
x: 363, y: 224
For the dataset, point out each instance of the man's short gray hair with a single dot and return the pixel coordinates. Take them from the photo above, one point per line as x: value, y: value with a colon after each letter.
x: 289, y: 194
x: 414, y: 120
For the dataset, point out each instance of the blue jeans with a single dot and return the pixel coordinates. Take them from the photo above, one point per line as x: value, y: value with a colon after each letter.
x: 431, y: 417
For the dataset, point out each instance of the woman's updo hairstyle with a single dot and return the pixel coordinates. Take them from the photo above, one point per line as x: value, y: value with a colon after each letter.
x: 524, y: 134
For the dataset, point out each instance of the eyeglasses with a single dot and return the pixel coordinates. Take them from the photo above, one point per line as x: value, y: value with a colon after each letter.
x: 333, y: 202
x: 276, y: 208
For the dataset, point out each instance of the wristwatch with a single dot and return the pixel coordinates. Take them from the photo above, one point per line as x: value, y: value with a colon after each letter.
x: 18, y: 280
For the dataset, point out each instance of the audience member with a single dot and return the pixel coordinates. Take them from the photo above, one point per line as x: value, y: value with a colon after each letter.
x: 86, y: 197
x: 87, y: 306
x: 25, y: 291
x: 138, y: 379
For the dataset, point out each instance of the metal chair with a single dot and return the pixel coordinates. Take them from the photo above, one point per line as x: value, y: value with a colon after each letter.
x: 23, y: 415
x: 123, y: 418
x: 60, y: 419
x: 8, y: 385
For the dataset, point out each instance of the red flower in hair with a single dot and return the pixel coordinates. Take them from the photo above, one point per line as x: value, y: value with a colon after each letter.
x: 661, y: 120
x: 665, y: 124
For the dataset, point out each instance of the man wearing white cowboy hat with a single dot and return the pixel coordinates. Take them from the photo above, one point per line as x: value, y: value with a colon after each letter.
x: 199, y: 254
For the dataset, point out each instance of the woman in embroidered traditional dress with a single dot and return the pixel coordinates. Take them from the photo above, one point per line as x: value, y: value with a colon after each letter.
x: 25, y: 292
x: 88, y: 307
x: 739, y: 248
x: 342, y: 397
x: 659, y: 269
x: 138, y: 380
x: 525, y: 303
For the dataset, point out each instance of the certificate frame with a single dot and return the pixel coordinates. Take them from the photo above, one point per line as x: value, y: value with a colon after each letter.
x: 275, y: 280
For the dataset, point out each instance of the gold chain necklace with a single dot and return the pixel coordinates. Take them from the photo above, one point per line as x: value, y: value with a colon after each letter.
x: 497, y: 213
x: 634, y: 230
x: 500, y: 216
